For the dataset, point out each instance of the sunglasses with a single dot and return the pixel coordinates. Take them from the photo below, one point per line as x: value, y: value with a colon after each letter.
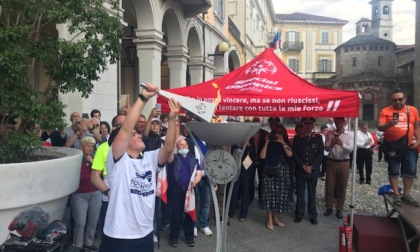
x: 307, y: 123
x: 397, y: 99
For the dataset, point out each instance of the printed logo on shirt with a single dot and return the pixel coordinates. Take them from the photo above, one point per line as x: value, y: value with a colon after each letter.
x: 142, y: 184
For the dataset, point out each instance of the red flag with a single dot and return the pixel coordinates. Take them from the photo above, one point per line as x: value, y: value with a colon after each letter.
x: 189, y: 206
x: 162, y: 185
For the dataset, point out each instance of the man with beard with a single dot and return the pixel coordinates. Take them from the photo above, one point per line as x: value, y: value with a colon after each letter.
x: 399, y: 121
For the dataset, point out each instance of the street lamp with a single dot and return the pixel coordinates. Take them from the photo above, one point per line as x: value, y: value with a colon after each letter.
x: 222, y: 48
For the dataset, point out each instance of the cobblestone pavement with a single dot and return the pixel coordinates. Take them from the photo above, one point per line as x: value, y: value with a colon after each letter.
x: 366, y: 198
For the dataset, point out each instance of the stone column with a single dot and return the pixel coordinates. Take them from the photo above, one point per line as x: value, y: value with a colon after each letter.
x: 177, y: 62
x: 196, y: 65
x: 416, y: 79
x: 149, y: 51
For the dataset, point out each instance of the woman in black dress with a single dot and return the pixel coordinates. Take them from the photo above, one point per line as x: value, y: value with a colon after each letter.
x: 276, y: 176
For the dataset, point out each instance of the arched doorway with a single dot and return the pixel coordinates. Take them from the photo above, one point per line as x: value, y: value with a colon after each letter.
x: 368, y: 106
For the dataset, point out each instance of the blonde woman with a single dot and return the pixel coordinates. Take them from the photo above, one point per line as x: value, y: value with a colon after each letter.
x: 86, y: 201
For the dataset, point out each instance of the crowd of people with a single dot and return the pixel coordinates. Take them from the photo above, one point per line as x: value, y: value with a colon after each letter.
x: 121, y: 197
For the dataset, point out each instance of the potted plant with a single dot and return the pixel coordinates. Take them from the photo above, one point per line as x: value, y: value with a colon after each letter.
x: 36, y: 64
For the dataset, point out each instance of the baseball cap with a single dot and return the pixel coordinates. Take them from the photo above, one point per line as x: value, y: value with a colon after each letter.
x: 155, y: 120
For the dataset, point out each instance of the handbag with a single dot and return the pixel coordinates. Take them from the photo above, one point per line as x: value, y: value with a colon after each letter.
x: 397, y: 148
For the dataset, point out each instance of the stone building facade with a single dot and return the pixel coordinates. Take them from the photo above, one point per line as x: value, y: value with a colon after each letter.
x: 372, y: 64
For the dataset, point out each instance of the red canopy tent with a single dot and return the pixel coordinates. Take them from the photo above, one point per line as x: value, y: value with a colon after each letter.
x: 267, y: 87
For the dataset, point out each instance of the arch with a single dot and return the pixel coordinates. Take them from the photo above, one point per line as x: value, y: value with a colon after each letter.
x: 194, y: 41
x: 368, y: 105
x: 195, y: 63
x: 171, y: 27
x: 141, y: 13
x: 234, y: 60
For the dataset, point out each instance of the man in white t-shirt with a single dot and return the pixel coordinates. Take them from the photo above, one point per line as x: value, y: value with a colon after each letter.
x: 132, y: 181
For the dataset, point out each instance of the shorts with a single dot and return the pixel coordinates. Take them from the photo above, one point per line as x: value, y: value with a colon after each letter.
x: 408, y: 164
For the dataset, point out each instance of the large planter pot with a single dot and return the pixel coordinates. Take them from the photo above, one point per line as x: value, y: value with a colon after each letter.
x: 46, y: 184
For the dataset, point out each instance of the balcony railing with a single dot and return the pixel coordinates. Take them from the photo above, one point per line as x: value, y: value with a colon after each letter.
x: 292, y: 46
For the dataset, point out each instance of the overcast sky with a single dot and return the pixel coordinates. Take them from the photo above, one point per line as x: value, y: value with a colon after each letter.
x: 353, y: 10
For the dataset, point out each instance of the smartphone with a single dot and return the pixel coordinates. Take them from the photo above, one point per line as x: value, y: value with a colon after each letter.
x: 85, y: 115
x: 395, y: 115
x: 158, y: 107
x: 335, y: 134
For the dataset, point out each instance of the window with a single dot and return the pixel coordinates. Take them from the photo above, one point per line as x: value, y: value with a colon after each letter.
x: 294, y: 65
x: 325, y: 65
x: 292, y: 37
x: 380, y: 59
x: 325, y: 37
x: 354, y: 62
x: 386, y: 10
x: 219, y: 8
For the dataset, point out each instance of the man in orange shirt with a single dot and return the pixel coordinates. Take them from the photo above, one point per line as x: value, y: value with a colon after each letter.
x: 393, y: 122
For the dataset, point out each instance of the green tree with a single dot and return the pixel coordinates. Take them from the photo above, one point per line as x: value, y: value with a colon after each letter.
x: 29, y: 39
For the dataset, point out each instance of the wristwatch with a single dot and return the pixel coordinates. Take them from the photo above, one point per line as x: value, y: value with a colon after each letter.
x: 143, y: 98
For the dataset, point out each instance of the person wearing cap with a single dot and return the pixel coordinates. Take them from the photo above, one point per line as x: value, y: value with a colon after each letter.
x: 339, y: 143
x: 308, y: 152
x: 151, y: 136
x: 132, y: 180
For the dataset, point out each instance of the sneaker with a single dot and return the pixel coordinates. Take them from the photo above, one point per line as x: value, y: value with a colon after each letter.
x: 90, y: 248
x: 409, y: 201
x: 206, y: 231
x: 396, y: 200
x: 173, y: 243
x: 195, y: 232
x: 190, y: 242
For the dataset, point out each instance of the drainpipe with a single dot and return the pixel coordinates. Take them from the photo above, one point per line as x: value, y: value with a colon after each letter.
x: 204, y: 47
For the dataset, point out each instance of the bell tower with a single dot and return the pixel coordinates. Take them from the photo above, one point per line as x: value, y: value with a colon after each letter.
x: 382, y: 19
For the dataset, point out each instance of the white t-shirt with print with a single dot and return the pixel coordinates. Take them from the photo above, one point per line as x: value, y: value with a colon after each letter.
x: 133, y: 190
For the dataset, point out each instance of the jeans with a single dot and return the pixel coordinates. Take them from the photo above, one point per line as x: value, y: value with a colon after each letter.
x: 85, y: 211
x: 408, y: 164
x: 203, y: 196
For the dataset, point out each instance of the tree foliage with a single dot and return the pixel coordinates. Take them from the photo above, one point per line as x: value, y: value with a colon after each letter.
x: 29, y: 38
